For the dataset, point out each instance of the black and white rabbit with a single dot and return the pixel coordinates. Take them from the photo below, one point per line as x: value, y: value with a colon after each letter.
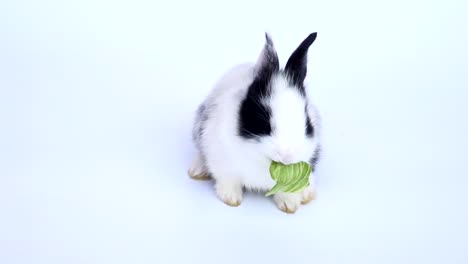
x: 256, y: 113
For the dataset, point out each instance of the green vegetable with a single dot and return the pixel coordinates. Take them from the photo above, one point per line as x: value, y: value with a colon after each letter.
x: 289, y: 178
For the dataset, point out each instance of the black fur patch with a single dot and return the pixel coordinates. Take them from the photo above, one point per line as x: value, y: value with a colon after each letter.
x: 309, y: 127
x: 202, y: 116
x: 316, y: 156
x: 254, y: 116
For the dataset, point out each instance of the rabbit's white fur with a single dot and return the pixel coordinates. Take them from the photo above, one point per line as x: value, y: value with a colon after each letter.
x: 235, y: 162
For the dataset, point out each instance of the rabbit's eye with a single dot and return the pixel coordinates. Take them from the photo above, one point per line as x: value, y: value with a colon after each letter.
x: 254, y: 119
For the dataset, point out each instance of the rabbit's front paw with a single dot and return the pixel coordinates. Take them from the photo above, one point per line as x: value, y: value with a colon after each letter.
x: 229, y: 192
x: 288, y: 202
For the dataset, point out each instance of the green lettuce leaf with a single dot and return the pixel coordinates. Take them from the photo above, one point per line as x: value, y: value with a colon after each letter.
x: 289, y: 178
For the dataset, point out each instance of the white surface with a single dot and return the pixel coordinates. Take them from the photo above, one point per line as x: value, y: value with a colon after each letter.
x: 96, y: 101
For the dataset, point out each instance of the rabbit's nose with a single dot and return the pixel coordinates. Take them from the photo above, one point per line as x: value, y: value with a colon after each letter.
x: 286, y: 157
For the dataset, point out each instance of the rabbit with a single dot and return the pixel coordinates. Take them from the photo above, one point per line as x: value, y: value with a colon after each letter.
x: 255, y: 114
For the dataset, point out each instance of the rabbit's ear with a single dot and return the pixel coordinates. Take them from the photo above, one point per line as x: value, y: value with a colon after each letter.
x: 296, y: 67
x: 267, y: 63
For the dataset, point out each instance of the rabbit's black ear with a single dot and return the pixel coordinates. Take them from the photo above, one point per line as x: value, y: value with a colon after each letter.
x: 296, y: 67
x: 267, y: 63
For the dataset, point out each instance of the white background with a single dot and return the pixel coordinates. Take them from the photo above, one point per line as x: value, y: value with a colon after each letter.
x: 96, y: 106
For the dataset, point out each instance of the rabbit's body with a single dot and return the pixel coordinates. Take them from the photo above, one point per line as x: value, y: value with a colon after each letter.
x: 257, y: 113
